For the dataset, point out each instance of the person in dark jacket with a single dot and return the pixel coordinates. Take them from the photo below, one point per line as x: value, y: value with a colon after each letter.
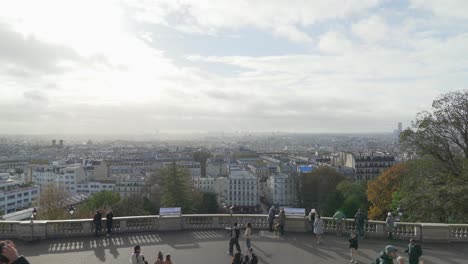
x: 282, y: 221
x: 109, y: 219
x: 237, y: 258
x: 387, y: 256
x: 271, y: 218
x: 414, y: 252
x: 9, y: 254
x: 360, y: 219
x: 97, y: 222
x: 353, y: 246
x: 234, y: 239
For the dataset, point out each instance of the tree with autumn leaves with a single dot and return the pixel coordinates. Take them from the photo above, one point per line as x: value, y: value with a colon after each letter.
x: 380, y: 192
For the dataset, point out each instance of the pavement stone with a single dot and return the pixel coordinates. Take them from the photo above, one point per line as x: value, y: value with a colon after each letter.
x: 210, y: 246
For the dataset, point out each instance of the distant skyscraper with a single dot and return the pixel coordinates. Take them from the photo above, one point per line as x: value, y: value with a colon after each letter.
x: 54, y: 142
x: 400, y: 127
x: 61, y: 143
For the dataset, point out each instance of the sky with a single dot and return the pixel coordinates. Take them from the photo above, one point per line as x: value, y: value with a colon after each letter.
x: 191, y: 66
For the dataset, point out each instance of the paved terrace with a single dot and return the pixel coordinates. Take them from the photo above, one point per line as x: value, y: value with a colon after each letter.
x: 210, y: 246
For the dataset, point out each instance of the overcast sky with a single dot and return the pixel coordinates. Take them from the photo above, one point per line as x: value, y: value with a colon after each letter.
x: 132, y: 67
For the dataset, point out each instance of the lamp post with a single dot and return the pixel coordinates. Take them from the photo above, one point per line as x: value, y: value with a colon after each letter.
x: 71, y: 211
x: 400, y: 213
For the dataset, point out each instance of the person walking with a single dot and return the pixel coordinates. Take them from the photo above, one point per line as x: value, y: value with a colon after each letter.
x: 97, y: 222
x: 387, y: 256
x: 282, y: 221
x: 390, y: 225
x: 168, y: 259
x: 248, y: 235
x: 414, y: 252
x: 318, y: 228
x: 353, y: 247
x: 311, y: 218
x: 234, y: 239
x: 160, y: 259
x: 339, y: 217
x: 137, y: 257
x: 109, y: 220
x: 271, y: 218
x: 360, y: 219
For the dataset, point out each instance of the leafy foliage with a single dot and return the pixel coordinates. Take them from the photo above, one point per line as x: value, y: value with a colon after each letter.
x: 317, y: 186
x: 380, y: 191
x: 176, y: 190
x: 347, y: 198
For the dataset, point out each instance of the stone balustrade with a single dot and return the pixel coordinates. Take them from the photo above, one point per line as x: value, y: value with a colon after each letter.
x: 27, y: 230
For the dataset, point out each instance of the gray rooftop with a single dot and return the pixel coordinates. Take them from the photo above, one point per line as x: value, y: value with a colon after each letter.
x: 207, y: 246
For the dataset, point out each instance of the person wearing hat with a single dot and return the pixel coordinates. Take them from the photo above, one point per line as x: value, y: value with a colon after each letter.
x: 387, y: 256
x: 137, y: 257
x: 390, y: 225
x: 414, y: 251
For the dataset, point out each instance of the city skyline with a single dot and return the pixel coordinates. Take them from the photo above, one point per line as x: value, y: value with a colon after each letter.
x: 137, y: 67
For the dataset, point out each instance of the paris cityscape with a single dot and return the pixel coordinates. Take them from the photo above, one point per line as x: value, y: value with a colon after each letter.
x: 242, y: 132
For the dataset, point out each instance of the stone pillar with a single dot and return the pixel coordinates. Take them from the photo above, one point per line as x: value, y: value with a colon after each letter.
x: 170, y: 223
x: 435, y: 233
x: 296, y: 224
x: 123, y: 226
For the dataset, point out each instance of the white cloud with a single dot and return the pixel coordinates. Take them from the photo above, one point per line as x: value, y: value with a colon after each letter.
x: 445, y: 8
x: 282, y: 18
x: 373, y: 29
x: 335, y: 42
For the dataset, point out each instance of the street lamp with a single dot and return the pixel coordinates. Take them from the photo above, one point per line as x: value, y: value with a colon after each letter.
x: 400, y: 213
x: 71, y: 211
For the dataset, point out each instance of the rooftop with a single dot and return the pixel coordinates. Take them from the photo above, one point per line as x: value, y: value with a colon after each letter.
x: 210, y: 246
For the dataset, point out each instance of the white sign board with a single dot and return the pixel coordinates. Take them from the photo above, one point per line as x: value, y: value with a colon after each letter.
x: 295, y: 211
x: 176, y: 211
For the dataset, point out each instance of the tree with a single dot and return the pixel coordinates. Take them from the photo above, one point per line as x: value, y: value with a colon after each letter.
x: 318, y: 185
x: 442, y: 132
x: 380, y: 190
x: 153, y: 192
x: 52, y: 203
x: 205, y: 202
x: 347, y: 198
x: 100, y: 200
x: 426, y: 199
x: 130, y: 206
x: 202, y: 157
x: 176, y: 190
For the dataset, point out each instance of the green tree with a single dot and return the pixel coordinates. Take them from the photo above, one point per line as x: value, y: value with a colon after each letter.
x: 347, y: 198
x: 130, y: 206
x: 176, y: 189
x: 318, y: 185
x: 442, y: 132
x: 103, y: 199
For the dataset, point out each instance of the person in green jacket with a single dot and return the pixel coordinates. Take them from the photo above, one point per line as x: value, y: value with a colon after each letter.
x: 339, y: 217
x: 361, y: 219
x: 414, y: 251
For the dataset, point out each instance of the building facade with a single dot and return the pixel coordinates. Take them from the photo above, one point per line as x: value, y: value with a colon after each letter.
x: 15, y: 195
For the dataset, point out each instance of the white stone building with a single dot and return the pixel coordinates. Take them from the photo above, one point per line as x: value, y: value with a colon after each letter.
x: 90, y: 188
x: 243, y: 190
x: 15, y: 195
x: 281, y: 190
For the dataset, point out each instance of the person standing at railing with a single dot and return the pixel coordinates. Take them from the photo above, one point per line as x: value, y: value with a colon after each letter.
x: 339, y: 217
x: 282, y: 221
x: 271, y: 218
x: 414, y: 251
x: 390, y: 225
x: 311, y: 218
x: 97, y: 222
x: 360, y: 219
x: 109, y: 220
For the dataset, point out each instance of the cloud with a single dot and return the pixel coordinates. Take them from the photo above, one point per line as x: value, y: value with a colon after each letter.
x: 372, y: 29
x: 446, y: 8
x: 26, y: 53
x: 278, y: 17
x: 35, y: 96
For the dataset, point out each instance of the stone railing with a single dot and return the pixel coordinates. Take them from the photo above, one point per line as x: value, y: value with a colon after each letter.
x: 27, y: 230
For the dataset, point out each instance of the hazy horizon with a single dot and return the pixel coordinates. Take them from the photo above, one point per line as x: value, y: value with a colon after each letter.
x: 136, y: 67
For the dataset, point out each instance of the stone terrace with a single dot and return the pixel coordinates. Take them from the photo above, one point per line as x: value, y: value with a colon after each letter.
x: 210, y: 246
